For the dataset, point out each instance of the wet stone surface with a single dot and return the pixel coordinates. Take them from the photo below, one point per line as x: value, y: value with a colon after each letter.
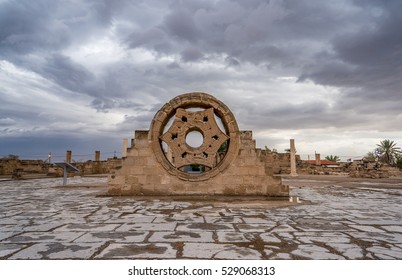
x: 41, y: 220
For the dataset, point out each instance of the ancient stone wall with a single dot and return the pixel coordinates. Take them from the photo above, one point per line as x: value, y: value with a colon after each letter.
x: 249, y: 174
x: 279, y: 162
x: 10, y: 166
x: 98, y: 167
x: 241, y: 169
x: 24, y: 167
x: 7, y: 166
x: 366, y: 169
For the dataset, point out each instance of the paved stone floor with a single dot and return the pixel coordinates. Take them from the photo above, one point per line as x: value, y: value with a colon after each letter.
x: 41, y: 220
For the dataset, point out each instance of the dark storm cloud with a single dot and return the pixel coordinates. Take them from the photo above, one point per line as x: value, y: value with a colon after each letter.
x: 33, y: 34
x: 153, y: 38
x: 229, y: 48
x: 368, y: 58
x: 191, y: 54
x: 66, y: 73
x: 180, y: 24
x: 21, y: 23
x: 48, y: 26
x: 316, y: 114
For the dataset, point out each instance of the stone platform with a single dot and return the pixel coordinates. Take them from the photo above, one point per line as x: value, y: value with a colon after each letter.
x: 336, y: 220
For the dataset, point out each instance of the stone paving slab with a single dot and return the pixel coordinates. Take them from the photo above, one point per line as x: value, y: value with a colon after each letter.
x: 367, y: 228
x: 6, y: 234
x: 132, y: 218
x: 323, y: 237
x: 56, y: 251
x: 147, y: 226
x: 270, y: 238
x: 315, y: 252
x: 223, y: 220
x: 138, y: 251
x: 44, y: 237
x: 122, y: 237
x: 44, y: 227
x: 218, y: 251
x: 181, y: 236
x: 393, y: 228
x: 197, y: 227
x: 41, y: 220
x: 283, y: 228
x: 348, y: 250
x: 189, y: 218
x: 9, y: 249
x: 255, y: 227
x: 232, y: 237
x: 390, y: 253
x: 87, y: 227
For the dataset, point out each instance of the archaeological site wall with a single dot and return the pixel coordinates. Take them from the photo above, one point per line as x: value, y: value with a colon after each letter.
x: 161, y: 160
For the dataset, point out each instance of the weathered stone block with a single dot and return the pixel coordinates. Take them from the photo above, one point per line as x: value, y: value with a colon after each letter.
x: 146, y: 152
x: 235, y: 169
x: 154, y: 179
x: 135, y: 170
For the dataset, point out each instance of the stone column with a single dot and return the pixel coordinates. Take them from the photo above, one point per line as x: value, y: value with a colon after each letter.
x: 317, y: 159
x: 97, y: 155
x: 292, y: 158
x: 125, y: 147
x: 68, y: 156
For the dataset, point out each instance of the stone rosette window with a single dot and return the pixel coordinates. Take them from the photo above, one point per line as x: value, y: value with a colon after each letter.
x: 207, y: 120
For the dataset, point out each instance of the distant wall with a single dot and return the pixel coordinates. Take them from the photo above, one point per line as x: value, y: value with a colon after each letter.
x: 366, y: 169
x: 10, y: 167
x: 279, y: 162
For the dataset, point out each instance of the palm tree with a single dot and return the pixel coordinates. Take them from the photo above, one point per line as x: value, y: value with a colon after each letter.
x: 332, y: 158
x: 387, y: 151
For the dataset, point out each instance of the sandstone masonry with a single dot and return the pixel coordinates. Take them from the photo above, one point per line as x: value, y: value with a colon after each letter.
x: 159, y: 159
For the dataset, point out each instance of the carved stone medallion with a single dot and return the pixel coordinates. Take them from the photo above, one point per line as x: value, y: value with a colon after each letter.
x: 186, y: 114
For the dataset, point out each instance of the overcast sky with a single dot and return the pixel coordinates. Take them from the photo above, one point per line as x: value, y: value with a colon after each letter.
x: 83, y: 75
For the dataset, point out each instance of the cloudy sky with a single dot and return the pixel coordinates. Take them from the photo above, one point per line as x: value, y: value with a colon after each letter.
x: 83, y: 75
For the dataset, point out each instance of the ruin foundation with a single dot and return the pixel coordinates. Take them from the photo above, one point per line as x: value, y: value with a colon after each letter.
x: 160, y: 161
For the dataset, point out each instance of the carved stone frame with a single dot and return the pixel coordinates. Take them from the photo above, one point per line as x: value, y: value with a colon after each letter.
x: 194, y: 100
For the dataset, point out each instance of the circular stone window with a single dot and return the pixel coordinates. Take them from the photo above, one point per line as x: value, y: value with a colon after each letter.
x: 194, y: 136
x: 194, y: 139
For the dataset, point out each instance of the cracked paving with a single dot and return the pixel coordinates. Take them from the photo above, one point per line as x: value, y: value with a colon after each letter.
x: 335, y: 220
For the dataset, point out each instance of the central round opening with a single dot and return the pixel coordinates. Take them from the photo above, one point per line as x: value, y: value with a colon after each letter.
x: 194, y: 139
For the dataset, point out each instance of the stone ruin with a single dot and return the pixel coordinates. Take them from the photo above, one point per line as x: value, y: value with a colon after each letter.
x: 372, y: 169
x: 162, y: 160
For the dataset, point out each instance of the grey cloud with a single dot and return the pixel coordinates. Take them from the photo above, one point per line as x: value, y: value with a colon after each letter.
x: 231, y: 61
x: 6, y: 121
x: 141, y: 121
x: 191, y: 54
x: 153, y: 38
x: 180, y: 24
x: 25, y: 26
x: 330, y: 72
x: 368, y: 58
x: 262, y: 32
x: 43, y: 26
x: 67, y: 73
x: 354, y: 46
x: 287, y: 116
x: 173, y: 65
